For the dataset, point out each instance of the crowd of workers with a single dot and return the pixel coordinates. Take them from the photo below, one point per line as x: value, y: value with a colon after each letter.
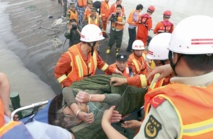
x: 179, y: 59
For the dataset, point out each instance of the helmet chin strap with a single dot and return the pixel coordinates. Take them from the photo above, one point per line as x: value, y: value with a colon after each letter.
x: 173, y: 65
x: 92, y: 46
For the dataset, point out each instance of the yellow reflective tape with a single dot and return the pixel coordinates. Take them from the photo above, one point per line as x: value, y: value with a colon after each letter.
x: 199, y: 124
x: 60, y: 79
x: 136, y: 65
x: 95, y: 60
x: 79, y: 65
x: 89, y: 20
x: 143, y: 80
x: 104, y: 67
x: 153, y: 83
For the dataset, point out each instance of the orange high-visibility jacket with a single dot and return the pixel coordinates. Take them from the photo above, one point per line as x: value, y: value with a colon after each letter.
x: 164, y: 26
x: 1, y: 113
x: 130, y: 19
x: 82, y: 3
x: 95, y: 21
x: 73, y: 15
x: 119, y: 19
x: 193, y: 105
x: 144, y: 25
x: 113, y: 9
x: 73, y: 65
x: 104, y: 10
x: 126, y: 71
x: 138, y: 64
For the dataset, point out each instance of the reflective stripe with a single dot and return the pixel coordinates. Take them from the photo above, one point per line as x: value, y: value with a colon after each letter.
x: 198, y: 128
x: 95, y: 61
x: 8, y: 126
x: 136, y: 65
x: 79, y: 65
x: 153, y: 83
x: 96, y: 20
x: 63, y: 77
x: 104, y: 67
x: 143, y: 81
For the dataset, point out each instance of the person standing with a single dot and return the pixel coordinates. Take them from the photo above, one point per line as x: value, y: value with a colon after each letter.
x: 72, y: 13
x: 165, y: 25
x: 188, y: 100
x: 144, y: 25
x: 87, y: 11
x: 64, y: 8
x: 82, y: 59
x: 73, y: 33
x: 104, y: 15
x: 133, y: 21
x: 118, y: 20
x: 93, y: 18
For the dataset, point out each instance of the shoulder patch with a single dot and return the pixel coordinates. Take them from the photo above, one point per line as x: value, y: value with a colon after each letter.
x: 156, y: 101
x: 152, y: 128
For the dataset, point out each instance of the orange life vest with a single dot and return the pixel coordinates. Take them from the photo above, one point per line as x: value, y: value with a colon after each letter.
x: 95, y: 21
x: 139, y: 65
x: 126, y: 71
x: 1, y: 113
x: 119, y: 19
x: 82, y: 3
x: 80, y: 68
x: 143, y: 19
x: 193, y: 105
x: 73, y: 15
x: 130, y: 19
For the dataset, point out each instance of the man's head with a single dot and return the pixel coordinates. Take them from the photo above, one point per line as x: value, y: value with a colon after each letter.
x: 139, y: 7
x: 118, y: 9
x: 150, y: 9
x: 191, y: 46
x: 72, y: 7
x: 167, y: 14
x: 61, y: 116
x: 90, y: 3
x: 93, y: 12
x: 106, y: 0
x: 121, y: 60
x: 158, y: 49
x: 118, y: 2
x: 72, y: 22
x: 90, y: 36
x: 138, y: 48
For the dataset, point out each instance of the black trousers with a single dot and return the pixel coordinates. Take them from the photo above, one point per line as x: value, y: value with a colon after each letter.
x: 132, y: 37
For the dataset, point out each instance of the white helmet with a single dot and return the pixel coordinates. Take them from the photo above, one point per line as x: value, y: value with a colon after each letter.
x: 158, y: 47
x: 138, y: 45
x: 193, y: 35
x: 91, y: 33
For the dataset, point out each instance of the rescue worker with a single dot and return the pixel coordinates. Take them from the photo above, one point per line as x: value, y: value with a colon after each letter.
x: 93, y: 18
x: 132, y: 21
x: 104, y: 15
x: 165, y: 25
x: 72, y: 13
x: 88, y: 9
x: 158, y: 52
x: 73, y: 33
x: 82, y: 59
x: 121, y: 65
x: 114, y: 5
x: 81, y: 6
x: 144, y: 25
x: 188, y: 100
x: 137, y: 60
x: 117, y: 20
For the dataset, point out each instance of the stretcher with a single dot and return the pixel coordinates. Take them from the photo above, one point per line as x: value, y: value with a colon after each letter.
x: 34, y: 126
